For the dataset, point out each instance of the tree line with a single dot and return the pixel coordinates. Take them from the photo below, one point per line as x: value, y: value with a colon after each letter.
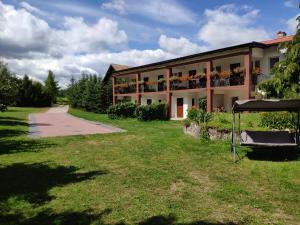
x: 90, y: 93
x: 25, y: 91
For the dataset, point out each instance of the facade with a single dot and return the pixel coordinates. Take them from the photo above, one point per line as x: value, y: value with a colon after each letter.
x: 221, y: 76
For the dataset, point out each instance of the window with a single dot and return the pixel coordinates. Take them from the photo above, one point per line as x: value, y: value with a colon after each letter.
x: 193, y: 102
x: 234, y: 66
x: 257, y: 64
x: 233, y: 99
x: 273, y: 61
x: 149, y: 101
x: 192, y: 72
x: 218, y: 69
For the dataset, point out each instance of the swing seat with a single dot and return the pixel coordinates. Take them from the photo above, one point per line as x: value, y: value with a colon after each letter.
x: 268, y: 139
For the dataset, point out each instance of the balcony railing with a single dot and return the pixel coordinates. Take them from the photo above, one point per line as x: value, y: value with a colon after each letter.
x: 187, y: 82
x: 227, y: 78
x: 125, y: 88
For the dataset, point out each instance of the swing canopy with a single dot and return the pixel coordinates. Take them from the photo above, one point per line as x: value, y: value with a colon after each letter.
x: 265, y: 138
x: 292, y: 105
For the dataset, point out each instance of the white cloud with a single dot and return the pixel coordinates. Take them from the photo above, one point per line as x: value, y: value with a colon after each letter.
x: 167, y: 11
x: 116, y: 5
x: 291, y: 3
x: 31, y: 8
x: 179, y: 46
x: 292, y: 24
x: 230, y: 25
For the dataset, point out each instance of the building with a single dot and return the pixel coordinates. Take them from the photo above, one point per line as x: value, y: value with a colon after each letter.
x: 221, y: 76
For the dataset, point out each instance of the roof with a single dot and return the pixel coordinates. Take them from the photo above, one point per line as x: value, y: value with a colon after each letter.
x: 263, y: 44
x: 191, y: 57
x: 267, y: 105
x: 278, y: 40
x: 113, y: 68
x: 118, y: 67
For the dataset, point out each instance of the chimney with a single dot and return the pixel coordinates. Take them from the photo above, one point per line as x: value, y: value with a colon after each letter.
x: 281, y: 34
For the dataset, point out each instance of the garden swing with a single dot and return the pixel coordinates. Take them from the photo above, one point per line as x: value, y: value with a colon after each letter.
x: 265, y: 139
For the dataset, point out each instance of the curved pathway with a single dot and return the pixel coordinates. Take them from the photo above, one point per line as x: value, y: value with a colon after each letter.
x: 57, y: 122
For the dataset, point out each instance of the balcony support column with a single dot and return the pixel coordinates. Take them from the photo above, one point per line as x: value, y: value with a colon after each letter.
x: 247, y: 75
x: 168, y: 93
x: 138, y: 95
x: 113, y: 87
x: 209, y: 91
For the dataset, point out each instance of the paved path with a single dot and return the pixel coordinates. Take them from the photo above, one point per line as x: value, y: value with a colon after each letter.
x: 57, y: 122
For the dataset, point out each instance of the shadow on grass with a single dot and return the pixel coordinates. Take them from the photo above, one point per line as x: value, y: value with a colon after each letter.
x: 171, y: 220
x: 31, y: 182
x: 11, y: 133
x: 13, y: 123
x: 8, y: 146
x: 274, y: 154
x: 10, y: 118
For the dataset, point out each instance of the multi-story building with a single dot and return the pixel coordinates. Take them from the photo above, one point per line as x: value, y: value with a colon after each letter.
x: 222, y: 76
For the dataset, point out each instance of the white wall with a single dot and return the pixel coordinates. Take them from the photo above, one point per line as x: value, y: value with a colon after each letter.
x: 154, y: 97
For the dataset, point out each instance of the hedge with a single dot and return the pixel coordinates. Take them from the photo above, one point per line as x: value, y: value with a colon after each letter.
x: 151, y: 112
x: 278, y: 120
x: 122, y: 110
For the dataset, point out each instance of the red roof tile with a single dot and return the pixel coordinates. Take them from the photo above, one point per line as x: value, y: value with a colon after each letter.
x: 278, y: 40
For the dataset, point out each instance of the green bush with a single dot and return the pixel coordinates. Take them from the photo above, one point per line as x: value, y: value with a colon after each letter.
x: 151, y: 112
x: 192, y: 114
x: 122, y: 110
x: 278, y: 120
x: 202, y: 103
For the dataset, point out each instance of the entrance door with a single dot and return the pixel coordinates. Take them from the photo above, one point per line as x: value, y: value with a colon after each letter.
x: 179, y: 107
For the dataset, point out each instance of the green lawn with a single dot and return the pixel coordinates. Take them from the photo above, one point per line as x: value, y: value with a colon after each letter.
x: 151, y: 174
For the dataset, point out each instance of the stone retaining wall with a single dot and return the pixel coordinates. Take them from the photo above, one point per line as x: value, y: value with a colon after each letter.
x: 214, y: 133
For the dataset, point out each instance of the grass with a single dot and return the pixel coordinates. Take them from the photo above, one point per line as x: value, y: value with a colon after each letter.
x: 151, y: 174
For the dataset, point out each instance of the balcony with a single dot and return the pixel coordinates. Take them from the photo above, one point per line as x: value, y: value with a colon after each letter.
x: 188, y: 82
x: 125, y: 88
x: 152, y: 86
x: 227, y: 78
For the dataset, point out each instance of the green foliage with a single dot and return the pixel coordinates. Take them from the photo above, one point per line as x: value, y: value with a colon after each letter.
x: 202, y: 118
x: 122, y: 110
x: 192, y: 114
x: 51, y: 87
x: 278, y: 120
x: 32, y: 93
x: 8, y: 87
x: 90, y: 93
x: 151, y: 112
x: 186, y: 122
x: 202, y: 103
x: 284, y: 82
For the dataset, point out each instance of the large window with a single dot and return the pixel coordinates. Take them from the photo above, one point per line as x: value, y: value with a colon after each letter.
x: 273, y: 61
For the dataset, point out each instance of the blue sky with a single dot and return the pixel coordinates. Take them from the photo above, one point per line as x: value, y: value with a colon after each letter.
x: 72, y: 36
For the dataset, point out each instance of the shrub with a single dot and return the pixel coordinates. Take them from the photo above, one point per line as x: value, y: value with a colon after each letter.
x: 202, y: 103
x: 186, y: 122
x: 151, y: 112
x: 278, y: 120
x: 192, y: 114
x: 122, y: 110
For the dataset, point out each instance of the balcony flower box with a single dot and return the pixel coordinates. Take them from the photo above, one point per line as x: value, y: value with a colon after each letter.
x: 184, y: 78
x: 151, y: 82
x: 161, y: 80
x: 173, y: 78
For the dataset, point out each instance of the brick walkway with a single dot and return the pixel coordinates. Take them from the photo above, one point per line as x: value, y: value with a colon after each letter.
x: 57, y: 122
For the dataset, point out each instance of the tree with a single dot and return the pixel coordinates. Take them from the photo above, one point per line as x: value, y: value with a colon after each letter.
x: 284, y: 82
x: 51, y: 87
x: 8, y: 87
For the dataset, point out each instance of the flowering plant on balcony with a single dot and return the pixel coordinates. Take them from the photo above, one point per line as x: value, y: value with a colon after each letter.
x: 141, y: 82
x: 238, y: 70
x: 184, y: 78
x: 173, y: 78
x: 132, y: 83
x: 123, y: 85
x: 225, y: 73
x: 151, y: 82
x: 214, y: 72
x: 161, y: 80
x: 200, y: 75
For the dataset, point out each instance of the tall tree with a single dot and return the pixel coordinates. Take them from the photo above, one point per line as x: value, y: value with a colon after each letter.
x: 51, y: 87
x: 8, y: 87
x: 285, y: 79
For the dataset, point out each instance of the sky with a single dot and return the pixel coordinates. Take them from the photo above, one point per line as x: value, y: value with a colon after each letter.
x: 71, y: 37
